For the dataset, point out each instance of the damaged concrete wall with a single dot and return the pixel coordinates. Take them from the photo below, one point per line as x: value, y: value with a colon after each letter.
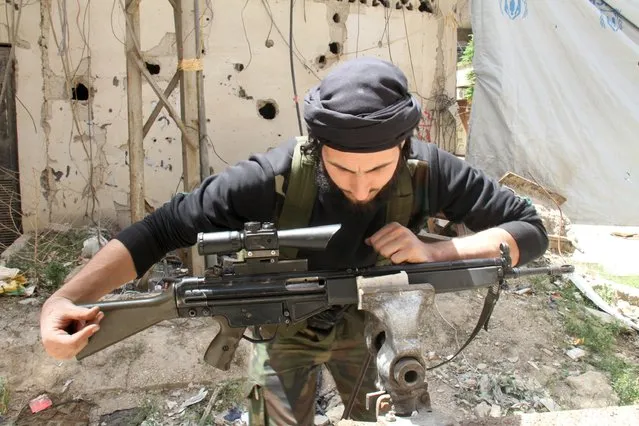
x: 71, y: 81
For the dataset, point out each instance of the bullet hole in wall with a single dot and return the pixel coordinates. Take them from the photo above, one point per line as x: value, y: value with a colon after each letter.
x: 152, y: 68
x: 335, y: 47
x: 425, y: 6
x: 269, y: 43
x: 336, y: 18
x: 267, y: 108
x: 321, y: 61
x: 80, y: 92
x: 110, y: 109
x: 409, y: 6
x: 398, y: 5
x: 238, y: 67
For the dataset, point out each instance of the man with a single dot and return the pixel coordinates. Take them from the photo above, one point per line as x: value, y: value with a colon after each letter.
x: 360, y: 119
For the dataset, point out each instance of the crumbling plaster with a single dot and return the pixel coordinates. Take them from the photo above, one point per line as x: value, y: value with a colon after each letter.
x: 71, y: 176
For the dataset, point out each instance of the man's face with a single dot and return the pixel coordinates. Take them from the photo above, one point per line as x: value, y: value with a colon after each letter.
x: 360, y: 177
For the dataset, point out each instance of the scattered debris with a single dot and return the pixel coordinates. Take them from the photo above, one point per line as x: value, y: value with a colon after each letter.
x: 626, y: 235
x: 130, y: 416
x: 550, y: 404
x: 191, y: 401
x: 66, y: 385
x: 495, y: 411
x: 321, y: 420
x: 233, y: 414
x: 526, y: 187
x: 588, y: 289
x: 507, y: 391
x: 51, y: 409
x: 548, y: 206
x: 482, y: 410
x: 40, y: 403
x: 547, y: 351
x: 12, y: 282
x: 18, y: 245
x: 92, y: 245
x: 575, y: 353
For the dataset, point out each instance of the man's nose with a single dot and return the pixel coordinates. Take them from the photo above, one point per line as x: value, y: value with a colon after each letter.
x: 360, y: 188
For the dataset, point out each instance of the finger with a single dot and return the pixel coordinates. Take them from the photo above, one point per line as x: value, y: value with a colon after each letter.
x: 381, y: 239
x: 81, y: 338
x: 80, y: 313
x: 98, y: 318
x: 385, y: 230
x: 400, y: 256
x: 390, y: 247
x: 392, y: 242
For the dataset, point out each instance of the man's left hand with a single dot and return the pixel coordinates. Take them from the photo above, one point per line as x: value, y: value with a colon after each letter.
x: 400, y: 244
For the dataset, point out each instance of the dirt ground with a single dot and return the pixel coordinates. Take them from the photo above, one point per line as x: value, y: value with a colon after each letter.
x: 518, y: 365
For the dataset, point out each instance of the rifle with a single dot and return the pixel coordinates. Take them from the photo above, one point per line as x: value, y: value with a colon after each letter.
x: 263, y: 290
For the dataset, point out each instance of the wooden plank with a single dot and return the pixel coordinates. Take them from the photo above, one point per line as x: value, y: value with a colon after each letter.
x: 135, y: 117
x: 158, y: 107
x: 184, y: 15
x: 186, y: 135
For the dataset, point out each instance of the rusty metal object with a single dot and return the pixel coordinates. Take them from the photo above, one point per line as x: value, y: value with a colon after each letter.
x: 395, y: 328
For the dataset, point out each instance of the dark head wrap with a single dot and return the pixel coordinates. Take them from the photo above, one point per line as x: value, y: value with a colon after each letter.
x: 363, y: 105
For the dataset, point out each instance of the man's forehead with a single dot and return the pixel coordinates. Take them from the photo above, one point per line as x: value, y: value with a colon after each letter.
x: 361, y: 163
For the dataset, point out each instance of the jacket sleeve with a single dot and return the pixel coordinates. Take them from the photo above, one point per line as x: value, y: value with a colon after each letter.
x: 467, y: 195
x: 243, y: 192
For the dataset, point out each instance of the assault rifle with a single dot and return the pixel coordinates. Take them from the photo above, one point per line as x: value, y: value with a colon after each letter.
x: 263, y: 290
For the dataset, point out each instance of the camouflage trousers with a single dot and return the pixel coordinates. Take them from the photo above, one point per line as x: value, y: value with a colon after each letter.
x: 283, y: 372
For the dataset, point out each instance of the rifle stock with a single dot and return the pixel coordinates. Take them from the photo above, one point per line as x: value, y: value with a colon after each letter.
x: 221, y: 351
x: 124, y: 318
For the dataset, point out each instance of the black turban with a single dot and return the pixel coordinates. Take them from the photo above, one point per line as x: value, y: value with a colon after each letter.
x: 363, y: 105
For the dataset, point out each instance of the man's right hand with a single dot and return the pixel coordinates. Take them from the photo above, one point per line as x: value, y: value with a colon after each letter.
x: 59, y: 318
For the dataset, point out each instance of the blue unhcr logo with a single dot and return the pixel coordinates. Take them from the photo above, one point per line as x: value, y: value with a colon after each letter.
x: 514, y: 8
x: 608, y: 16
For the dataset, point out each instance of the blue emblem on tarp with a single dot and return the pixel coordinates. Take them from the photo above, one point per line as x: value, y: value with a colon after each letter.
x: 514, y: 8
x: 609, y: 17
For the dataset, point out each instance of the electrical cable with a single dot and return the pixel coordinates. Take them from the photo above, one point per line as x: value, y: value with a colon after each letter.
x: 290, y: 50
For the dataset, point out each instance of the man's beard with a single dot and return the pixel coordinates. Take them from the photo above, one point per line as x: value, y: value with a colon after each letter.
x: 331, y: 194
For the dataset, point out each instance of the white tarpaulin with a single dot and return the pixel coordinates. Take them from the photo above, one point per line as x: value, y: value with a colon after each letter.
x: 557, y: 100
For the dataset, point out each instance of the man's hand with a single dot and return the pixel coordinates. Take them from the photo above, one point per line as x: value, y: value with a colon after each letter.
x: 58, y: 315
x: 400, y: 244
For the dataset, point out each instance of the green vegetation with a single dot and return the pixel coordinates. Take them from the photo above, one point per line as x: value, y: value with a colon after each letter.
x: 601, y: 340
x: 467, y: 60
x: 48, y: 257
x: 4, y: 396
x: 598, y: 270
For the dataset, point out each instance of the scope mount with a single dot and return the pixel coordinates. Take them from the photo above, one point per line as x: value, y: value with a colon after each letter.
x: 261, y: 253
